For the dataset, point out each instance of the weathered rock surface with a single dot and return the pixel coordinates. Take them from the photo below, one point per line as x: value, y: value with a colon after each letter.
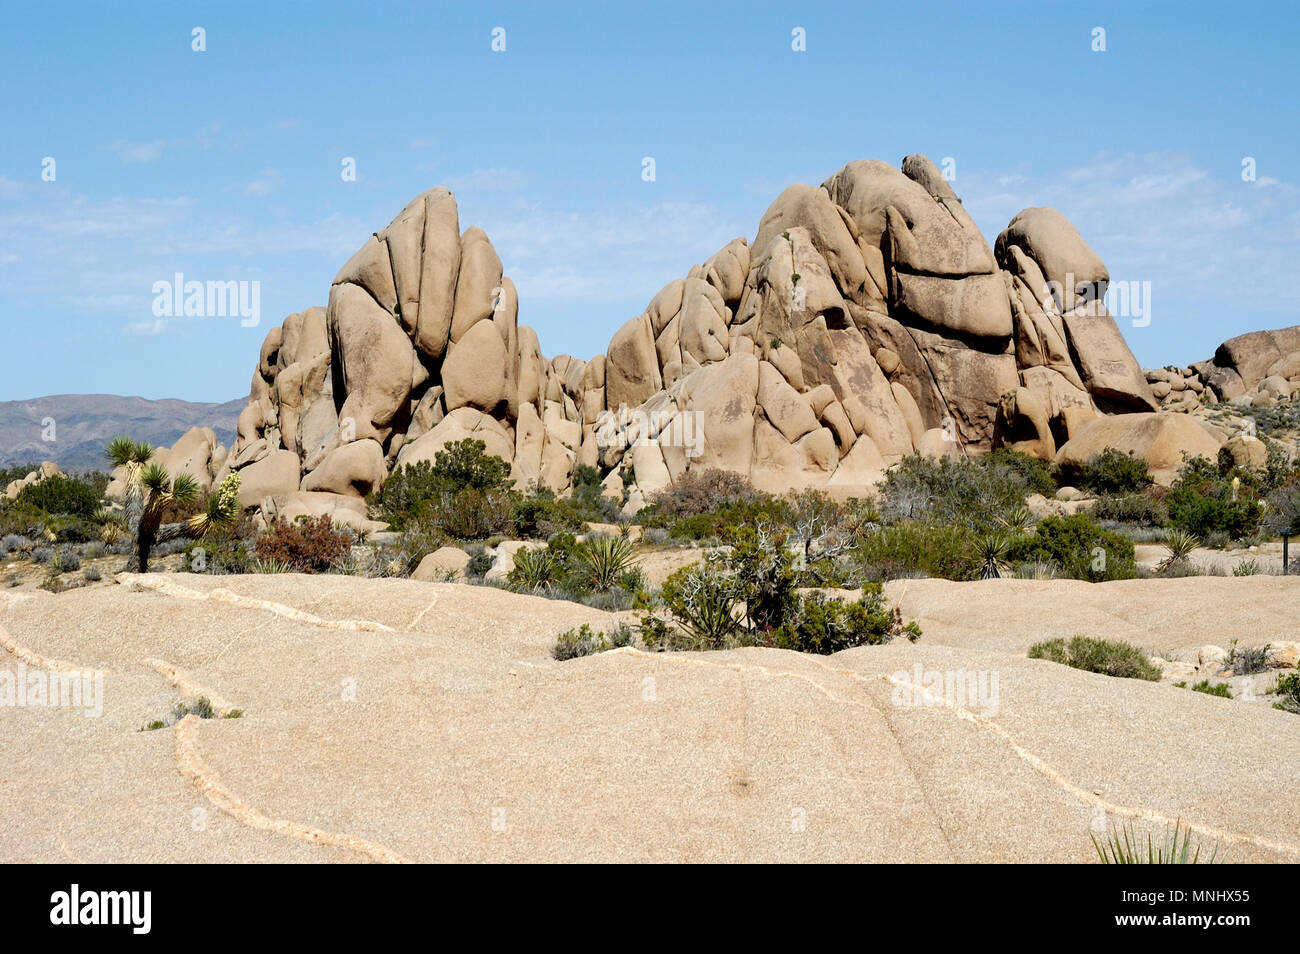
x: 868, y: 314
x: 459, y: 706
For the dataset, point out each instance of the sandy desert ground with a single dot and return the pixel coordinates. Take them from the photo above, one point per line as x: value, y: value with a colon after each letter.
x: 391, y: 720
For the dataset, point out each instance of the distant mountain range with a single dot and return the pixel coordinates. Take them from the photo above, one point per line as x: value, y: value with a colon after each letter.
x: 84, y: 423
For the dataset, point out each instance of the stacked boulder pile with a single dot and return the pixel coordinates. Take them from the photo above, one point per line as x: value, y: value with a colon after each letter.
x: 869, y: 319
x: 15, y: 487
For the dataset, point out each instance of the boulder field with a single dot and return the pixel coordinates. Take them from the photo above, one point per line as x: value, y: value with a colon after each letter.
x: 868, y: 319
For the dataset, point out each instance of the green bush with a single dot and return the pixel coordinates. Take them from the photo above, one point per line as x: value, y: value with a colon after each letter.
x: 62, y: 495
x: 972, y: 493
x: 747, y: 595
x: 582, y: 641
x: 703, y: 601
x: 535, y: 570
x: 824, y: 625
x: 1212, y: 688
x: 910, y: 549
x: 1108, y: 657
x: 461, y: 475
x: 1288, y: 692
x: 1113, y: 472
x: 1205, y: 502
x: 1072, y: 544
x: 1140, y: 509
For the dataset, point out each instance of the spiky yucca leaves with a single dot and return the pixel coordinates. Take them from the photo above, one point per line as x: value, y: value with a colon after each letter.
x: 160, y: 489
x: 1123, y: 847
x: 604, y: 559
x: 993, y: 550
x: 1018, y: 520
x: 535, y: 570
x: 220, y: 509
x: 1179, y: 545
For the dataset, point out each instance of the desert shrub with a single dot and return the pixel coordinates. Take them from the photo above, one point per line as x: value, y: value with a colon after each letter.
x: 228, y: 549
x: 305, y: 546
x: 1139, y: 509
x: 42, y: 555
x: 91, y: 574
x: 747, y: 594
x: 1113, y: 472
x: 824, y: 625
x: 1212, y: 688
x: 471, y: 514
x: 583, y: 641
x: 717, y: 523
x: 703, y: 601
x: 1204, y: 499
x: 1071, y: 543
x: 1246, y: 661
x: 1248, y: 567
x: 1284, y: 506
x: 655, y: 536
x: 463, y: 465
x: 62, y: 495
x: 1287, y: 690
x: 413, y: 490
x: 1105, y: 656
x: 1037, y: 475
x: 971, y: 493
x: 415, y: 540
x: 13, y: 543
x: 541, y: 513
x: 705, y: 490
x: 910, y: 549
x: 480, y: 561
x: 68, y: 560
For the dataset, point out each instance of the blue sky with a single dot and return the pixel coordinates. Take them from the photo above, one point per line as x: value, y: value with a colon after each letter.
x: 225, y: 164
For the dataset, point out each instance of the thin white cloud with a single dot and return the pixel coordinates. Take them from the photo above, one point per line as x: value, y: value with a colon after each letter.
x: 265, y: 183
x: 137, y: 152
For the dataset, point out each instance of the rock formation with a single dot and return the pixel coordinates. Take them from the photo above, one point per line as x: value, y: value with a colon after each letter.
x: 869, y: 319
x: 15, y: 487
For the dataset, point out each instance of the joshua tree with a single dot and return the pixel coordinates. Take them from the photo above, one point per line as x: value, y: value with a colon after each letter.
x: 149, y: 489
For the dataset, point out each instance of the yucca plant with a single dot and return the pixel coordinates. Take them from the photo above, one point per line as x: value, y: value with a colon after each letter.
x: 993, y: 550
x: 1179, y: 545
x: 604, y: 559
x: 535, y: 570
x: 150, y: 489
x: 221, y: 508
x: 1123, y: 847
x: 1018, y: 520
